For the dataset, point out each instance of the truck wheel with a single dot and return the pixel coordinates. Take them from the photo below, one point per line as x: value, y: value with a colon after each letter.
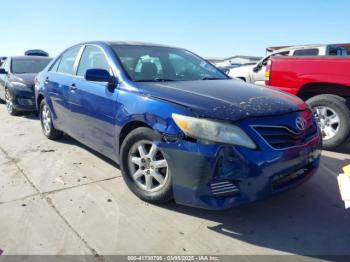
x: 333, y: 116
x: 144, y: 167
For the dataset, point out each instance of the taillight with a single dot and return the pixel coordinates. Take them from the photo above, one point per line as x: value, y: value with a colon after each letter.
x: 268, y: 73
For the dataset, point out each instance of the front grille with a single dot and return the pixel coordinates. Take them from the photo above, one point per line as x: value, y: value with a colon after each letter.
x: 281, y: 137
x: 224, y: 188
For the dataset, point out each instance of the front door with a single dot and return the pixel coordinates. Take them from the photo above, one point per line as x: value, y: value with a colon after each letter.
x: 93, y: 104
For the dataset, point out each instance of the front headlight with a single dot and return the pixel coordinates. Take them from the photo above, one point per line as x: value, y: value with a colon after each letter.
x: 213, y: 131
x: 19, y: 84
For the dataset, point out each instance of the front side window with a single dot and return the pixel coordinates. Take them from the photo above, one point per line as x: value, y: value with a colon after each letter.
x: 66, y: 65
x: 92, y: 58
x: 151, y: 64
x: 306, y: 52
x: 28, y: 65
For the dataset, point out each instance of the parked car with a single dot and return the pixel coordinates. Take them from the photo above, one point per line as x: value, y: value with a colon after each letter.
x: 324, y: 82
x: 2, y: 59
x: 17, y: 82
x: 255, y: 74
x: 177, y: 126
x: 36, y: 52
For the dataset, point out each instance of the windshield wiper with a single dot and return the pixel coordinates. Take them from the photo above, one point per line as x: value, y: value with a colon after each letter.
x: 155, y: 80
x: 212, y: 78
x: 163, y: 80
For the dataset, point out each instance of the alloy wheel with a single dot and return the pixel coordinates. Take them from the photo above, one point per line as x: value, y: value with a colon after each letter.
x: 46, y: 119
x: 9, y: 103
x: 328, y: 121
x: 147, y: 166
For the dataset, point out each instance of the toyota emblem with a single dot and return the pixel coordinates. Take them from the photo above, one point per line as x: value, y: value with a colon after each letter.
x: 300, y: 123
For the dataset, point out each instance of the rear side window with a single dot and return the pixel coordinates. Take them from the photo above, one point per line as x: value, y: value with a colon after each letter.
x: 92, y: 58
x: 337, y: 51
x: 66, y: 65
x: 54, y: 67
x: 306, y: 52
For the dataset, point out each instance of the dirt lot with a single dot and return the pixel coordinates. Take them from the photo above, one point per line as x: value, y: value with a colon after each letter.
x: 63, y: 198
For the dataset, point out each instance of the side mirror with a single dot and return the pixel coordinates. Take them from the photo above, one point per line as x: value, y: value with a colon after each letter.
x: 99, y: 75
x: 3, y: 71
x: 256, y: 68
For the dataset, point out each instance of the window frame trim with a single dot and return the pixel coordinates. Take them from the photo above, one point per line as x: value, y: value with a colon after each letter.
x: 81, y: 55
x: 61, y: 57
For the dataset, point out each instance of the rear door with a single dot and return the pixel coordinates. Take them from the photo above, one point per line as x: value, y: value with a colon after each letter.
x: 93, y: 104
x: 58, y: 85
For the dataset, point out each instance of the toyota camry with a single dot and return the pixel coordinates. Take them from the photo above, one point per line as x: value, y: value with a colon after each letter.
x: 178, y: 127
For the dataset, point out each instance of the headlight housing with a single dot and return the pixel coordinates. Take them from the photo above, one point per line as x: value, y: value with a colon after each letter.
x: 213, y: 131
x: 18, y: 84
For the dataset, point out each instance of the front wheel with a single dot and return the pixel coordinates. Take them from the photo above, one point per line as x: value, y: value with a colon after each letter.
x: 46, y: 122
x: 333, y: 117
x: 9, y: 104
x: 144, y: 166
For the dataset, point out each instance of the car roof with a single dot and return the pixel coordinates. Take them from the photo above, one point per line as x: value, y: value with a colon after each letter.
x: 300, y: 47
x: 30, y: 57
x: 124, y: 43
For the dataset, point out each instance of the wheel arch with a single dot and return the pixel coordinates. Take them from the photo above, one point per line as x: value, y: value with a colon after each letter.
x: 38, y: 100
x: 310, y: 90
x: 130, y: 126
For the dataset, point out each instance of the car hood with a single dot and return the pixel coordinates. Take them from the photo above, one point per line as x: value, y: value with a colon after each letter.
x: 224, y: 99
x: 27, y: 79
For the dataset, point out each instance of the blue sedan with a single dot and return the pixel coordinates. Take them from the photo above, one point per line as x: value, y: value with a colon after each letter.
x: 178, y: 127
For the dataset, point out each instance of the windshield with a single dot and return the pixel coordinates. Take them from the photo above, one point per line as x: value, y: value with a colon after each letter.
x: 152, y: 64
x: 28, y: 65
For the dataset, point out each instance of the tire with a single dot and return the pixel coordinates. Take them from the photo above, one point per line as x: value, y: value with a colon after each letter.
x: 46, y: 122
x: 9, y: 104
x: 135, y: 175
x: 326, y: 109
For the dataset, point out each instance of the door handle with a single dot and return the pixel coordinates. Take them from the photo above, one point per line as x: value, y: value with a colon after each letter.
x: 73, y: 87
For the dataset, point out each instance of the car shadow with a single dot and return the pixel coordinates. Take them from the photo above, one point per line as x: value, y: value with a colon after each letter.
x: 29, y: 116
x: 71, y: 141
x: 310, y: 220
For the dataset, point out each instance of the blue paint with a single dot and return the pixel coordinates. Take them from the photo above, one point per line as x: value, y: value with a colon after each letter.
x: 95, y: 114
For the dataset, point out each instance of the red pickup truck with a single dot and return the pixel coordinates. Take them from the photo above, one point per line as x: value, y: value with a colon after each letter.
x: 324, y: 82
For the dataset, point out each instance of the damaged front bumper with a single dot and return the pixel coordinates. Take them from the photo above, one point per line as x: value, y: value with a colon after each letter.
x: 224, y: 176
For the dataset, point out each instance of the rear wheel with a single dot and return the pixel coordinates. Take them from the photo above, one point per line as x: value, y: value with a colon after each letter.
x: 9, y: 104
x: 333, y: 116
x: 144, y: 166
x: 46, y: 122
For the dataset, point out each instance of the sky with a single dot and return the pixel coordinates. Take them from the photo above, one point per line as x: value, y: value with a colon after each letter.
x: 210, y: 28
